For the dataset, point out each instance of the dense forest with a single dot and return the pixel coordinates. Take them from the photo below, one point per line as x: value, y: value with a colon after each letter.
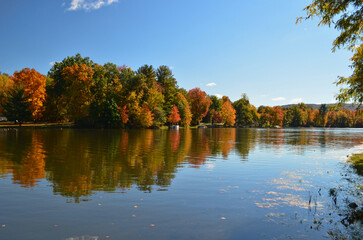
x: 91, y: 95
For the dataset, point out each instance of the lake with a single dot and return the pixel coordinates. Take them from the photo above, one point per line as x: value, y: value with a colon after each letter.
x: 168, y: 184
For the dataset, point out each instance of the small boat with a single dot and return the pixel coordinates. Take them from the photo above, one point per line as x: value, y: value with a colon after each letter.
x: 175, y: 127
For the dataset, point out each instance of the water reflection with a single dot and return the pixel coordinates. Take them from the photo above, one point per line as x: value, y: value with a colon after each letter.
x: 78, y: 162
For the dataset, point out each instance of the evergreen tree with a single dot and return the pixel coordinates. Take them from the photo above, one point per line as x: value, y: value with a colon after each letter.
x: 16, y: 108
x: 166, y: 80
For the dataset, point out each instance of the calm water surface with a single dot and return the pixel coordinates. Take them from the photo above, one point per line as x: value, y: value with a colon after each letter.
x: 187, y: 184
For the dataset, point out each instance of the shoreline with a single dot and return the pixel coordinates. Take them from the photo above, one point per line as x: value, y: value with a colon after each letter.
x: 11, y: 125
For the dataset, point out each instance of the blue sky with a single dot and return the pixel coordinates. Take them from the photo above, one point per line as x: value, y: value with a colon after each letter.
x: 225, y: 47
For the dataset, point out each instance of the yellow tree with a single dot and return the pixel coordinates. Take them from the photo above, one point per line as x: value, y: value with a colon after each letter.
x: 184, y: 110
x: 145, y: 117
x: 5, y: 85
x: 78, y: 93
x: 228, y: 113
x: 34, y: 89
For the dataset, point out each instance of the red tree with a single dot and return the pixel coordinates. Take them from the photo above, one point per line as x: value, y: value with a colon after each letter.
x: 199, y: 104
x: 277, y: 116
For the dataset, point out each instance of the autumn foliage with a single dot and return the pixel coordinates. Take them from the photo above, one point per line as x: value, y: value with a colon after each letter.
x: 174, y: 117
x: 184, y: 110
x: 145, y: 117
x: 199, y: 104
x: 228, y: 113
x: 79, y: 78
x: 93, y: 95
x: 5, y: 85
x: 34, y: 89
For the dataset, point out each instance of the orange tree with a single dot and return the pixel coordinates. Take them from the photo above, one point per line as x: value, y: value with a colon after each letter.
x: 228, y: 113
x: 34, y: 89
x: 174, y: 117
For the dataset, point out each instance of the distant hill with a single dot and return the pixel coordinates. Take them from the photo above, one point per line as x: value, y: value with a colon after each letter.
x: 351, y: 107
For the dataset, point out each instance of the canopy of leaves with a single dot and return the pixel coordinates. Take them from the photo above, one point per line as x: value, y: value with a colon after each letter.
x: 228, y: 113
x: 345, y: 15
x: 34, y: 89
x: 5, y: 85
x: 57, y: 90
x: 199, y: 104
x: 353, y: 86
x: 347, y: 18
x: 145, y: 117
x: 166, y: 80
x: 244, y: 115
x: 78, y: 79
x: 56, y: 72
x: 174, y: 117
x: 184, y: 110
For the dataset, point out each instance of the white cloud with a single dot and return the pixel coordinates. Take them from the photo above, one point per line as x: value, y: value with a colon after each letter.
x: 279, y: 99
x: 171, y: 67
x: 211, y: 84
x: 296, y: 100
x: 89, y: 4
x: 218, y: 95
x: 51, y: 63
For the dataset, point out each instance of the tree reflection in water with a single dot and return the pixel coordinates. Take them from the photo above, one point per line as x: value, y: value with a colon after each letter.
x: 78, y: 162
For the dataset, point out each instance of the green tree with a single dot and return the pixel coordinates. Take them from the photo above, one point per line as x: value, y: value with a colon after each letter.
x: 149, y: 73
x: 352, y: 86
x: 16, y: 106
x: 107, y: 113
x: 288, y: 116
x: 299, y: 116
x: 106, y: 96
x: 160, y: 117
x: 244, y: 116
x: 323, y: 110
x: 166, y: 80
x: 214, y: 107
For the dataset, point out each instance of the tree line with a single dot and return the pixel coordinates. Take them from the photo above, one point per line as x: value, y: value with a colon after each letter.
x: 92, y: 95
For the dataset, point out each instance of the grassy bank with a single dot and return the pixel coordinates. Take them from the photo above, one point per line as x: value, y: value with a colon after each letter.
x: 357, y: 162
x: 35, y: 125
